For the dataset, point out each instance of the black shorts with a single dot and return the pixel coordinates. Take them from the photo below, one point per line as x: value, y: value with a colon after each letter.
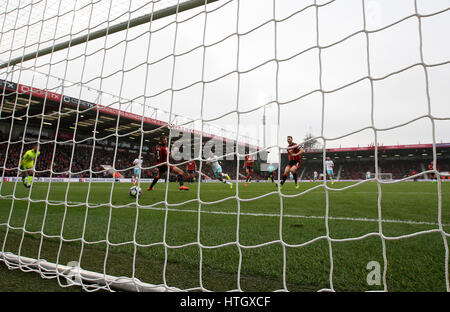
x: 249, y: 169
x: 293, y: 163
x: 190, y: 171
x: 162, y: 169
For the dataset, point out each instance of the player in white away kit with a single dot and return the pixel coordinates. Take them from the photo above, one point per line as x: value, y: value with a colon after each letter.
x: 330, y: 165
x: 368, y: 175
x: 217, y: 170
x: 137, y: 169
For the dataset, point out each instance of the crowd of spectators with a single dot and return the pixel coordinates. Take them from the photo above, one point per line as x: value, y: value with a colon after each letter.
x: 83, y: 161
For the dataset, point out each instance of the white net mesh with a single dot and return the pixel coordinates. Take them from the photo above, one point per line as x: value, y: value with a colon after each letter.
x: 338, y: 67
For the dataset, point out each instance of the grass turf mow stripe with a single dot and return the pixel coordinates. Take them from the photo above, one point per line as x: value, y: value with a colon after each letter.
x: 170, y: 241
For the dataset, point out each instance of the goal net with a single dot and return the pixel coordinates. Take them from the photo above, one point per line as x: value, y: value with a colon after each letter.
x: 90, y: 90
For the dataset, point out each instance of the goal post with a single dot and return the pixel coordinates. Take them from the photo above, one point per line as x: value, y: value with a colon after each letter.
x: 73, y: 275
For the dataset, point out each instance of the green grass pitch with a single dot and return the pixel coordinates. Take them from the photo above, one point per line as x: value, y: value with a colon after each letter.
x: 207, y: 237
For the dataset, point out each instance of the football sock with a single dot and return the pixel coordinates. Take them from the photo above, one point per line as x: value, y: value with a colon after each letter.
x: 284, y: 179
x: 180, y: 179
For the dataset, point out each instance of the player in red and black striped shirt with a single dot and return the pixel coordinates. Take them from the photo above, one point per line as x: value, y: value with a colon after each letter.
x: 161, y: 153
x: 295, y: 152
x: 191, y: 167
x: 248, y: 166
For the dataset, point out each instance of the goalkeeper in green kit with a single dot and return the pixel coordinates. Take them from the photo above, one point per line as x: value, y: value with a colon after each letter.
x: 27, y: 165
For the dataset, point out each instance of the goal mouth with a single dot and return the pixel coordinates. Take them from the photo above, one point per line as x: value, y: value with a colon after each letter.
x: 73, y: 275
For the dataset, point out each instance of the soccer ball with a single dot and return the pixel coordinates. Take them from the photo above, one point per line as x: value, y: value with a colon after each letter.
x: 135, y: 191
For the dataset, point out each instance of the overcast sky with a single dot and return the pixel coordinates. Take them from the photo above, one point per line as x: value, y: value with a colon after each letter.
x: 325, y: 93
